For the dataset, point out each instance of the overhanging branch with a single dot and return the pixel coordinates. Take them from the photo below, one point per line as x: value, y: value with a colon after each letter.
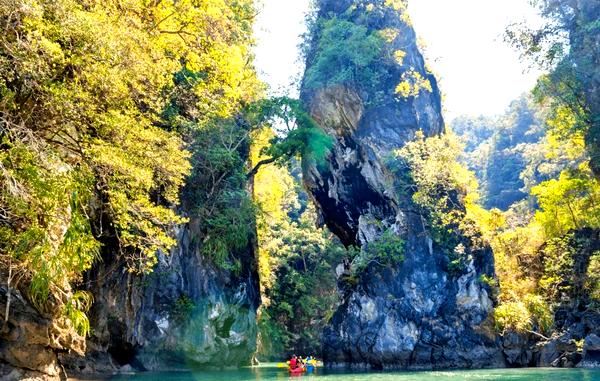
x: 256, y: 168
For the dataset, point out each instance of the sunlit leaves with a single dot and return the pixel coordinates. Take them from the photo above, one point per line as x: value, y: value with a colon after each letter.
x: 91, y: 144
x: 567, y: 44
x: 412, y: 83
x: 389, y: 34
x: 570, y: 202
x: 532, y: 313
x: 399, y: 57
x: 446, y: 192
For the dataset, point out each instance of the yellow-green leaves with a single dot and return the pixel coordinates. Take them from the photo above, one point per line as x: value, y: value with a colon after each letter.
x: 389, y: 34
x: 412, y: 82
x: 524, y: 315
x: 434, y: 163
x: 91, y: 145
x: 446, y: 192
x: 569, y: 202
x: 398, y: 5
x: 44, y: 229
x: 399, y: 57
x: 75, y: 309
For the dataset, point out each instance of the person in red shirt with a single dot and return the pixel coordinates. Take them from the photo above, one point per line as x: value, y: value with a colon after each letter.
x: 293, y: 362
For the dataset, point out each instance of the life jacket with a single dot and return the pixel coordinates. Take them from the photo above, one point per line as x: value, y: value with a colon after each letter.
x: 293, y: 363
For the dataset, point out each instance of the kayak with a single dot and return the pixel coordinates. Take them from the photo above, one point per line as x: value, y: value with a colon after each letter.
x: 297, y: 371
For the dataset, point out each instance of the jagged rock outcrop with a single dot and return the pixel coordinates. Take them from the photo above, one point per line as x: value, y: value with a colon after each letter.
x: 591, y: 352
x: 32, y: 341
x: 416, y: 315
x: 185, y: 313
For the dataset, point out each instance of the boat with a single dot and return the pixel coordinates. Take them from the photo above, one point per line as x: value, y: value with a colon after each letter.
x: 297, y: 371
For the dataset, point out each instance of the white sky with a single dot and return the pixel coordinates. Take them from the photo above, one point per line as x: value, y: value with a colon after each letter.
x: 278, y: 30
x: 478, y: 72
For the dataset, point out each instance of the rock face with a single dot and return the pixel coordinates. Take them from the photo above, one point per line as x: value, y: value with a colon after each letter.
x: 186, y: 313
x: 31, y: 341
x: 591, y: 352
x: 416, y: 315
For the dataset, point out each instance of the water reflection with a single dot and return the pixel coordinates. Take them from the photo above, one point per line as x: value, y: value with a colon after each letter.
x: 271, y: 372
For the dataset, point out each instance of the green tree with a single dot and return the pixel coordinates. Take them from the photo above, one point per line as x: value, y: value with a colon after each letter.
x: 569, y: 45
x: 96, y: 114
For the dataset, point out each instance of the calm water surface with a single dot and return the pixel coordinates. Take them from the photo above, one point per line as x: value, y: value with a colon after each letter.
x: 271, y: 372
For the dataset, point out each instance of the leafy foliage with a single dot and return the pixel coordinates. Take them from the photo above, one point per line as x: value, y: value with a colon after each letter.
x: 97, y: 102
x: 359, y: 48
x: 593, y: 279
x: 569, y: 202
x: 295, y: 258
x: 181, y: 310
x: 567, y: 44
x: 524, y: 316
x: 447, y: 194
x: 538, y: 257
x: 76, y: 308
x: 297, y: 135
x: 216, y: 192
x: 387, y: 250
x: 506, y: 152
x: 412, y: 84
x: 303, y: 296
x: 345, y: 53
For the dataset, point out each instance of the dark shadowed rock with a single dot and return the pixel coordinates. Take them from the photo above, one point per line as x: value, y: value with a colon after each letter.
x: 591, y: 352
x: 518, y: 349
x: 554, y: 351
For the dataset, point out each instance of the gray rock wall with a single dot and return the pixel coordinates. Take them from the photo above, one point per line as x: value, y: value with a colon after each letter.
x: 187, y: 313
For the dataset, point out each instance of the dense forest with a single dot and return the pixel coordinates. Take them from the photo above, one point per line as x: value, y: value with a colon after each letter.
x: 124, y: 123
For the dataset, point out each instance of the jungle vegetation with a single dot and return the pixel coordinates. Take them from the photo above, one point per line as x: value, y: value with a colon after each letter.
x: 115, y: 116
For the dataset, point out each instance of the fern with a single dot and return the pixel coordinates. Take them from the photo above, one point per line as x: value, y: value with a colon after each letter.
x: 75, y: 310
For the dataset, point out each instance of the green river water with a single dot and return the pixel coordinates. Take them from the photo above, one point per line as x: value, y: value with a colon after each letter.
x: 271, y: 372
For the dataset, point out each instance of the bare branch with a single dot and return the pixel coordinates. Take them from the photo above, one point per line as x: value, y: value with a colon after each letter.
x: 256, y: 168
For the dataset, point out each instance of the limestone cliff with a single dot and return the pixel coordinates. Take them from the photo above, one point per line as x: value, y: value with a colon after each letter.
x: 418, y: 314
x: 185, y: 313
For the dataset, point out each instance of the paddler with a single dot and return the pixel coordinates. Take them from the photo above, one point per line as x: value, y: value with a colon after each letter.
x: 310, y: 366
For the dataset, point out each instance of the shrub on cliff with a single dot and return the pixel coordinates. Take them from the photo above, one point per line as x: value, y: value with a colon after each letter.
x: 530, y: 315
x: 446, y: 192
x: 387, y: 250
x: 345, y: 53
